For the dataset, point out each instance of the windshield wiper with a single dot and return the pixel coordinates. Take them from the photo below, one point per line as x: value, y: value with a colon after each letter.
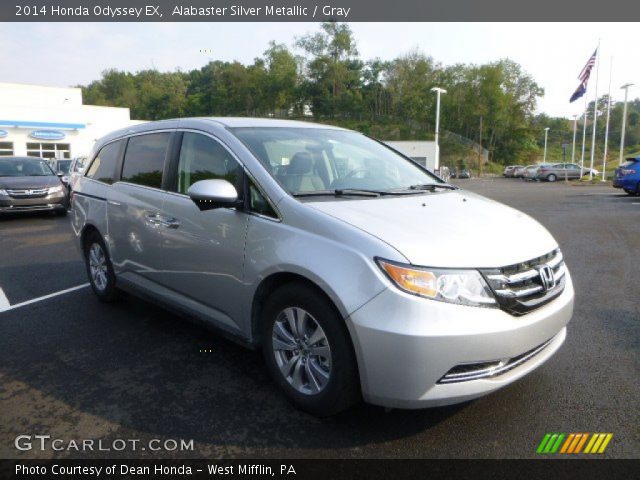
x: 433, y: 186
x: 339, y: 192
x: 356, y: 192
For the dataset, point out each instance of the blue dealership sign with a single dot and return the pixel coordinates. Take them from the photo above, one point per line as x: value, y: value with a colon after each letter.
x: 3, y: 133
x: 47, y: 135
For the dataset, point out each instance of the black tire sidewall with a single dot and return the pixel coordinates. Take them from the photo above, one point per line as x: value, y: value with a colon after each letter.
x: 343, y: 389
x: 110, y: 293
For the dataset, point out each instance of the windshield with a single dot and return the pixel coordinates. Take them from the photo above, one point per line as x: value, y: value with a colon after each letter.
x: 24, y: 167
x: 63, y: 166
x: 307, y: 160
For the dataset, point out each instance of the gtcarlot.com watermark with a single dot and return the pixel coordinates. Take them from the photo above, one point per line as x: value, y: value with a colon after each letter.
x: 46, y: 442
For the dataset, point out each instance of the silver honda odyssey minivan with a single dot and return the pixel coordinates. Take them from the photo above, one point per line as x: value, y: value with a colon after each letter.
x: 358, y: 273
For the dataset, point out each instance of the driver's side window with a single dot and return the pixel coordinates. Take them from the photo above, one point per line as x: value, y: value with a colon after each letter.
x: 203, y: 158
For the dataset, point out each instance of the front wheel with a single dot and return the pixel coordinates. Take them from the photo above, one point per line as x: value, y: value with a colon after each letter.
x: 551, y: 178
x: 99, y: 269
x: 308, y: 351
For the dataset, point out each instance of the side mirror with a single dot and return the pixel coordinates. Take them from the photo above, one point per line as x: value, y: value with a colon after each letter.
x: 60, y: 174
x: 214, y: 193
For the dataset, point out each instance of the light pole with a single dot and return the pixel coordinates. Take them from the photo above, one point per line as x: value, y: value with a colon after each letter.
x: 546, y: 132
x: 625, y: 87
x: 438, y: 91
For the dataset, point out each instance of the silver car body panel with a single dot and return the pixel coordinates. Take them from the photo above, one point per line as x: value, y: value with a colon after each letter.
x: 213, y: 263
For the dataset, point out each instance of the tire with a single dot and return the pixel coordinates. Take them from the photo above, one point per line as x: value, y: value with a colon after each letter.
x: 96, y: 257
x: 552, y: 177
x: 324, y: 383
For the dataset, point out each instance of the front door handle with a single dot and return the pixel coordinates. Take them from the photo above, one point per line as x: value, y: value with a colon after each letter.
x: 169, y: 222
x: 160, y: 220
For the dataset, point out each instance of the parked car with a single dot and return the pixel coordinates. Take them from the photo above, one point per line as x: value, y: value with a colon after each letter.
x: 530, y: 172
x: 76, y: 169
x: 510, y: 169
x: 627, y: 176
x: 29, y: 184
x: 464, y: 173
x: 518, y: 172
x: 354, y: 284
x: 560, y: 171
x: 62, y: 168
x: 453, y: 172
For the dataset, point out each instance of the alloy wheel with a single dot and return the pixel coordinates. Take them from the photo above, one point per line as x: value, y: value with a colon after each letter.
x: 98, y: 266
x: 301, y: 350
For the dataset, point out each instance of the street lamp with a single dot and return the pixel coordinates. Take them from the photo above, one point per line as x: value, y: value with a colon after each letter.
x: 546, y: 132
x: 438, y: 91
x: 625, y: 87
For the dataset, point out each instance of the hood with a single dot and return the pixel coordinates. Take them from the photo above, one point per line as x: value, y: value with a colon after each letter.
x: 454, y: 229
x: 29, y: 182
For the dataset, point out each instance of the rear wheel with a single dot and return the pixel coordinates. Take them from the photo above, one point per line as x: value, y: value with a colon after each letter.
x: 308, y: 350
x: 99, y: 269
x: 551, y: 177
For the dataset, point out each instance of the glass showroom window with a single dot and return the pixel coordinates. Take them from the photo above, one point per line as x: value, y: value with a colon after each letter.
x: 49, y: 150
x: 6, y: 149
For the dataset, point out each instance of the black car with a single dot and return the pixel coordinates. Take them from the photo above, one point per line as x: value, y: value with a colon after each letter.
x: 464, y: 173
x: 29, y: 184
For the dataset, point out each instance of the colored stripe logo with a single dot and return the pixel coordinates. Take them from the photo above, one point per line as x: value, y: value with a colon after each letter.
x: 553, y: 443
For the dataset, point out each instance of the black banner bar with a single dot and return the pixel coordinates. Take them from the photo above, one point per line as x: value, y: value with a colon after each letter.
x: 549, y: 469
x: 317, y: 10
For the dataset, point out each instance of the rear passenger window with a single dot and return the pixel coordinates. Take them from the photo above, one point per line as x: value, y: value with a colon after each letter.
x: 144, y: 160
x: 203, y: 158
x: 104, y: 165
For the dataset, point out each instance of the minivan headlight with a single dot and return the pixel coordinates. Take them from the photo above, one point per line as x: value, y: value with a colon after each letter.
x: 54, y: 189
x: 464, y: 287
x: 3, y: 192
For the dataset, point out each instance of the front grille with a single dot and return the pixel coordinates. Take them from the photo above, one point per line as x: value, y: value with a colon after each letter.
x: 521, y: 288
x: 477, y: 370
x: 28, y: 193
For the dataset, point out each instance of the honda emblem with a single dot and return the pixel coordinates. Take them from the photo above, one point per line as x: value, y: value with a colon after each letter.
x: 547, y: 277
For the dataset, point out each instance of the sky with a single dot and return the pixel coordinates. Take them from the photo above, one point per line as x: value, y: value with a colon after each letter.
x: 67, y: 54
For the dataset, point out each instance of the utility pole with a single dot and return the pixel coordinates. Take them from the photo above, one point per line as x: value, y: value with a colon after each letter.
x: 625, y: 87
x: 438, y: 91
x: 546, y: 133
x: 480, y: 151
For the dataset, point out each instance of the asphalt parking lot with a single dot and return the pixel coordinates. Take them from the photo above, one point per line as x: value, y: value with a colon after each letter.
x: 73, y: 368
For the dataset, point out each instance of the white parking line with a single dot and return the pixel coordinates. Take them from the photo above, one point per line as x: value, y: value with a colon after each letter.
x: 6, y: 306
x: 4, y: 301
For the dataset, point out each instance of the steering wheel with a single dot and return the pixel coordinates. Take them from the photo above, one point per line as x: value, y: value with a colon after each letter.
x: 356, y: 171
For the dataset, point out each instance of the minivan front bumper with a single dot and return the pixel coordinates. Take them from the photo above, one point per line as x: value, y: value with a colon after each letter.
x: 53, y: 201
x: 405, y: 345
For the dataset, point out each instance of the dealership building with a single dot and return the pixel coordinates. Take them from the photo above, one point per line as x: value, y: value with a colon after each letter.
x: 52, y: 122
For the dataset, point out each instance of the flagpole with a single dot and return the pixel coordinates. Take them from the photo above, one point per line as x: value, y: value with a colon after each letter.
x: 606, y: 131
x: 595, y: 113
x: 573, y: 149
x: 584, y: 132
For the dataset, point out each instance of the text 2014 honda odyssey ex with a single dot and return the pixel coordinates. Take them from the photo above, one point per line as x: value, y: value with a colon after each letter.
x: 357, y: 272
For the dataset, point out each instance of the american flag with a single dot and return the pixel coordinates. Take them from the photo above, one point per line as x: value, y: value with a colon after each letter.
x: 586, y: 71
